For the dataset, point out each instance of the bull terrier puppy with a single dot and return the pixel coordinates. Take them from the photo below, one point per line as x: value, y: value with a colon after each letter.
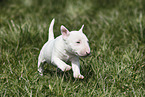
x: 67, y: 47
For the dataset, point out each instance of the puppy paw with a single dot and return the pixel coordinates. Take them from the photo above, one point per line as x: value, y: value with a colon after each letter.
x: 79, y: 76
x: 40, y: 71
x: 41, y: 74
x: 67, y: 68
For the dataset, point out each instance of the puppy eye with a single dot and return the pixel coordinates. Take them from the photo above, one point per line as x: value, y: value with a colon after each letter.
x: 78, y: 42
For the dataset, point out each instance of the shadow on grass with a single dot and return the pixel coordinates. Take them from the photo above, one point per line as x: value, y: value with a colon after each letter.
x: 53, y: 71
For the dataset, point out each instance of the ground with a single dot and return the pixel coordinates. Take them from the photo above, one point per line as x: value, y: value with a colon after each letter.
x: 116, y: 33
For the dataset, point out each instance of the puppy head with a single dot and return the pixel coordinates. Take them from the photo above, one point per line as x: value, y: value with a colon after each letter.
x: 76, y: 42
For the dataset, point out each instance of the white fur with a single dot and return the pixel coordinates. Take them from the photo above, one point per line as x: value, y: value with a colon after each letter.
x: 67, y: 47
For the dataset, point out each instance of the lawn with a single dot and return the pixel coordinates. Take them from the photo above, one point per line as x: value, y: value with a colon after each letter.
x: 116, y: 33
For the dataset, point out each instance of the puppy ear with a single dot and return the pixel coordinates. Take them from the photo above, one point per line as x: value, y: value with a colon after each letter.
x: 65, y: 33
x: 82, y: 28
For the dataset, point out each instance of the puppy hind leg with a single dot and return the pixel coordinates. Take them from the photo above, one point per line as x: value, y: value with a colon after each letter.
x: 41, y: 66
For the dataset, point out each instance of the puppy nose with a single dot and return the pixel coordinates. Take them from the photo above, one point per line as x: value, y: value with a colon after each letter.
x: 88, y: 53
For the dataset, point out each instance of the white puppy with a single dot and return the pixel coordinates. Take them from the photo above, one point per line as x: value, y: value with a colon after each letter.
x: 67, y: 47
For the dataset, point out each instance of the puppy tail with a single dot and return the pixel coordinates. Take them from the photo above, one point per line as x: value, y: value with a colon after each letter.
x: 51, y: 35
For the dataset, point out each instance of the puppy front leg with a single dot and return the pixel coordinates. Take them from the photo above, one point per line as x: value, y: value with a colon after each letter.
x: 60, y: 64
x: 76, y: 68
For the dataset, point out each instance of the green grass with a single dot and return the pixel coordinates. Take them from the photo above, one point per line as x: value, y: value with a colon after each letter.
x: 115, y: 29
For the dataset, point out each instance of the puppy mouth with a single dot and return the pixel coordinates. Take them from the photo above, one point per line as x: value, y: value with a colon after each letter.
x: 84, y: 56
x: 81, y: 55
